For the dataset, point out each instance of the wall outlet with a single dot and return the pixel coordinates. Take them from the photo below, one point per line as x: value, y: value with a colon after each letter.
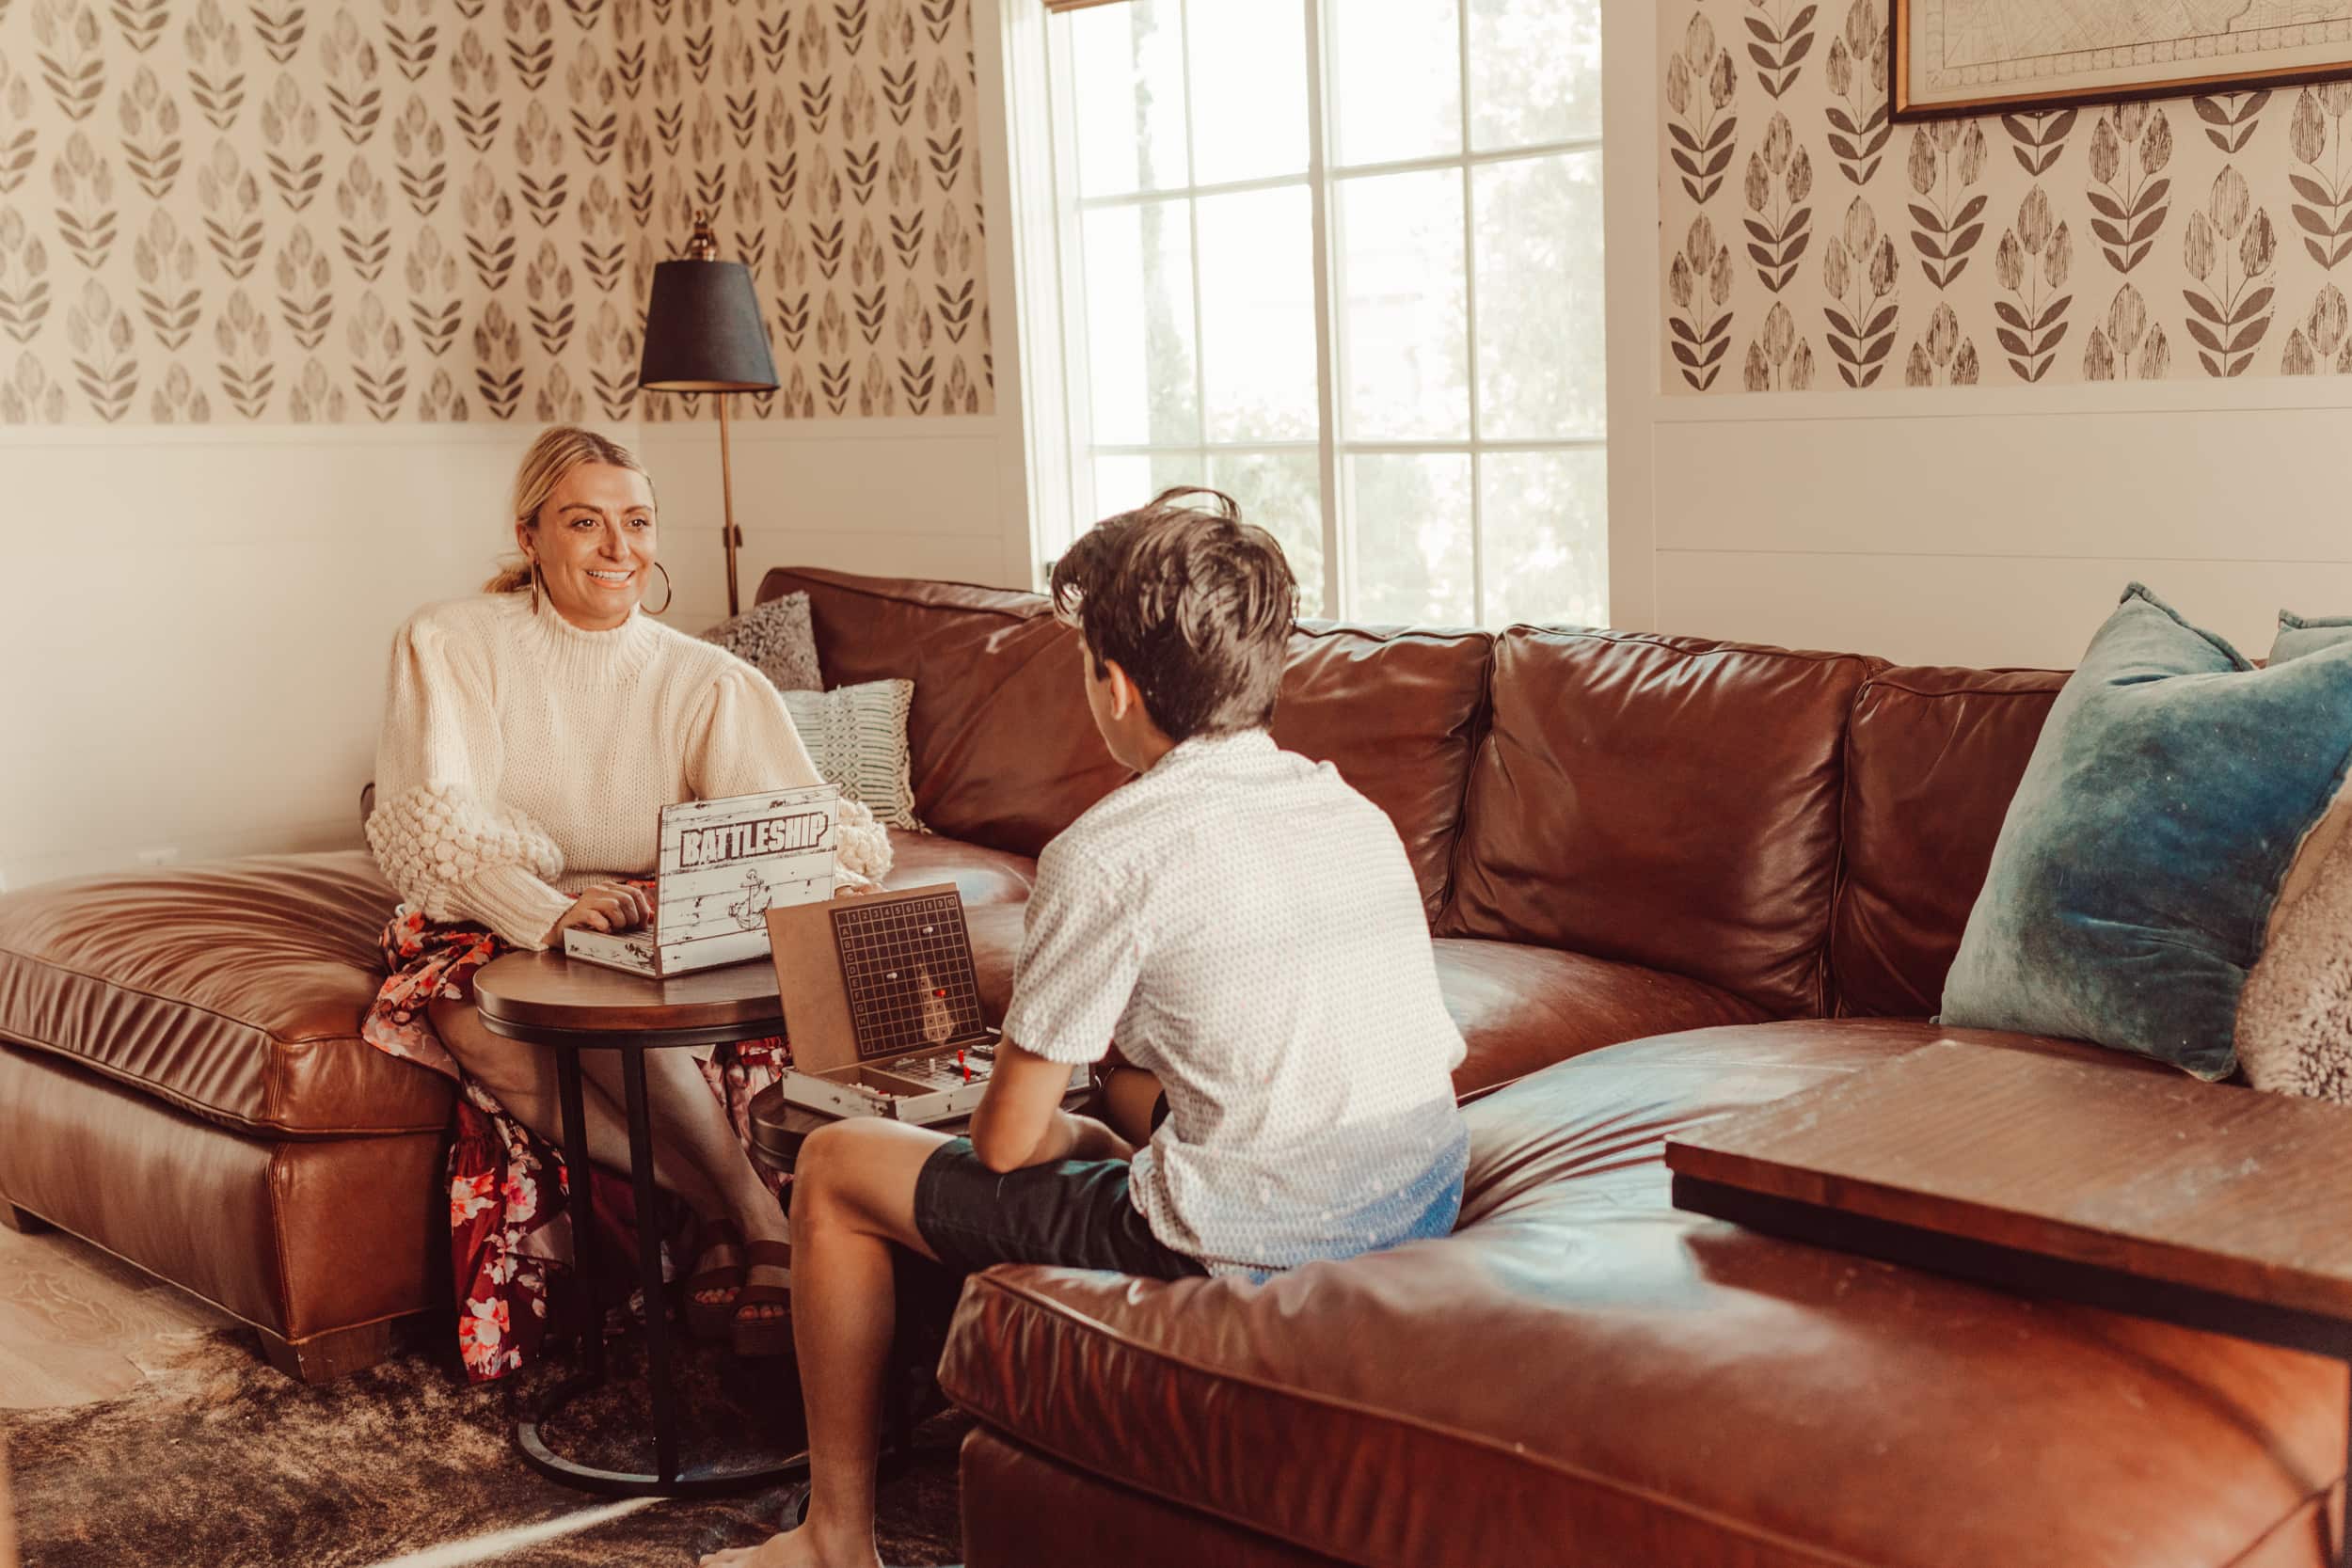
x: 158, y: 857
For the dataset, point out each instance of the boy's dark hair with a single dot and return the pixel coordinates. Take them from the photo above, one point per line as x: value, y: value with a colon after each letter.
x: 1193, y: 603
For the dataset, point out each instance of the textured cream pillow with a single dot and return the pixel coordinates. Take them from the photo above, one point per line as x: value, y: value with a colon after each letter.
x: 858, y: 736
x: 2295, y: 1020
x: 778, y: 638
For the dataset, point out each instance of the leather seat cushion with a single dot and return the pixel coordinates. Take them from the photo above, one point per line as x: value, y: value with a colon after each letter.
x: 1519, y: 1008
x: 982, y: 875
x: 232, y: 990
x: 1582, y: 1362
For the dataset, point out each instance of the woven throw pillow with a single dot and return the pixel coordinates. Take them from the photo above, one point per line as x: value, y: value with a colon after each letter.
x: 777, y: 638
x: 2168, y: 804
x: 858, y: 736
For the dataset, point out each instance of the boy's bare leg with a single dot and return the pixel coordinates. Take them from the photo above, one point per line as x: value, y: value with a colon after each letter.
x: 852, y: 1198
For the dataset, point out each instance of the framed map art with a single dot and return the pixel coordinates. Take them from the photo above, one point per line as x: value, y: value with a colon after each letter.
x: 1968, y: 56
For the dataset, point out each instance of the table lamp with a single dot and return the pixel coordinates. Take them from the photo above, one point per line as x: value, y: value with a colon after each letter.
x: 702, y: 333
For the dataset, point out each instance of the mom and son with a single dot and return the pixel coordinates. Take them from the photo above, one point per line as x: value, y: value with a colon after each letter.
x: 1274, y: 1054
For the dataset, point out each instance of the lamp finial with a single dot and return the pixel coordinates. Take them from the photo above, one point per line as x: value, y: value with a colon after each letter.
x: 703, y: 244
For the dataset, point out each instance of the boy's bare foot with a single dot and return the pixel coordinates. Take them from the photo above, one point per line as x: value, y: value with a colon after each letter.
x: 793, y: 1549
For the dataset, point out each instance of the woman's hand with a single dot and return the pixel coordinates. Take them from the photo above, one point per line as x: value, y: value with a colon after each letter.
x: 606, y: 906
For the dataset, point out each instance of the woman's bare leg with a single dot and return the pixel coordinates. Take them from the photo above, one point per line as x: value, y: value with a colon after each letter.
x: 691, y: 1127
x: 524, y: 1079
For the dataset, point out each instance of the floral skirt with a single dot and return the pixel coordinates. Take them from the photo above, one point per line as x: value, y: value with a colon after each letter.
x: 509, y: 1194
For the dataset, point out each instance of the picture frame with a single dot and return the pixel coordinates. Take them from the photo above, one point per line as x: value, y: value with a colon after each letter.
x: 1933, y: 75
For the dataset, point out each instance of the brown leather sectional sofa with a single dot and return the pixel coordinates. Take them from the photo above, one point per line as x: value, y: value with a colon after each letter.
x: 1668, y: 877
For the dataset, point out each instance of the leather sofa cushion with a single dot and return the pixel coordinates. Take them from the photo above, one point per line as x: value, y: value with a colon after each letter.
x: 1519, y: 1008
x: 1582, y: 1362
x: 298, y: 1236
x: 1005, y: 754
x: 1022, y: 1511
x: 1398, y: 713
x: 1665, y: 801
x: 233, y: 990
x: 1932, y: 757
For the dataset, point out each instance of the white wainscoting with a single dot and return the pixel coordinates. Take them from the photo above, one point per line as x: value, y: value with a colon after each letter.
x: 198, y: 621
x: 898, y: 498
x: 1992, y: 525
x: 1998, y: 527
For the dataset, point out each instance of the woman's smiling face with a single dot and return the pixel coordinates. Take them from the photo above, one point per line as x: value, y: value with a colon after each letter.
x: 594, y: 540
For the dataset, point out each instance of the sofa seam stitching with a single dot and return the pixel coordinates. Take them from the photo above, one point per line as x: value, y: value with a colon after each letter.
x: 62, y: 968
x: 212, y: 1115
x: 1041, y: 1303
x: 1482, y: 725
x: 2262, y: 1536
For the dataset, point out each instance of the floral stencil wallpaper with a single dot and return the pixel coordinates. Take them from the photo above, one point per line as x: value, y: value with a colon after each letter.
x: 366, y: 211
x: 1810, y: 244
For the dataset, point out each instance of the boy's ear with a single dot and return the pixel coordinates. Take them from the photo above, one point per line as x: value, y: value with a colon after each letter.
x: 1124, y: 693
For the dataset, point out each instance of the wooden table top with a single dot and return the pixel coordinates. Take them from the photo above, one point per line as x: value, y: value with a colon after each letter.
x: 2161, y: 1177
x: 550, y: 991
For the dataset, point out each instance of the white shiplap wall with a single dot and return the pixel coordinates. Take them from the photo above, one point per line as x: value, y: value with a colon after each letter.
x: 1991, y: 525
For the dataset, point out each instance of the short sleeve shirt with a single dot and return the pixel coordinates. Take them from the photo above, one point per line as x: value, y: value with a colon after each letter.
x: 1246, y: 926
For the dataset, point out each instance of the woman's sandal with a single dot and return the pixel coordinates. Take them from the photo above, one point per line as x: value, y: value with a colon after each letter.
x: 715, y: 1320
x: 771, y: 1334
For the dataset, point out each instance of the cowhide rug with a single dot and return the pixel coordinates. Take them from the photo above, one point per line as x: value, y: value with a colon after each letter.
x: 218, y: 1460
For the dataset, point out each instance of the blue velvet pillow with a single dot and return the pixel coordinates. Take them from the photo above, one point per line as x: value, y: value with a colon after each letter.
x: 2166, y: 802
x: 2297, y: 636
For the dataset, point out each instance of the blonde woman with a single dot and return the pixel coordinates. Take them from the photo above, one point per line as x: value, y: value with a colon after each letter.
x: 532, y: 734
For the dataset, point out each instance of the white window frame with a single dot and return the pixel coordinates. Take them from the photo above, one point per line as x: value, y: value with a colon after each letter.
x: 1047, y: 214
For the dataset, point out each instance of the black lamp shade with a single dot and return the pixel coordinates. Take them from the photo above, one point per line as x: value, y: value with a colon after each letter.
x: 703, y: 332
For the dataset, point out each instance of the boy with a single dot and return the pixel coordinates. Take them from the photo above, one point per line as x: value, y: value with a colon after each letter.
x: 1244, y: 924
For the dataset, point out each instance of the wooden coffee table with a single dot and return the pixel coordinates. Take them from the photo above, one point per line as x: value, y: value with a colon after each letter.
x: 548, y: 1000
x: 2212, y: 1207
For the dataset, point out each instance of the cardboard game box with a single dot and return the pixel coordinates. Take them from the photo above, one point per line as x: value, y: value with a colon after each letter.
x: 724, y: 865
x: 882, y: 1006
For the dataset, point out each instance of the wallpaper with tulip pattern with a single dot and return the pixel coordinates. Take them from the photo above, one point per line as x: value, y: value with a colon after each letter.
x: 1809, y: 244
x: 355, y: 211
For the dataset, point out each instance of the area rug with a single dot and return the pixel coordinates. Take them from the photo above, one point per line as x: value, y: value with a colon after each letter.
x: 220, y: 1460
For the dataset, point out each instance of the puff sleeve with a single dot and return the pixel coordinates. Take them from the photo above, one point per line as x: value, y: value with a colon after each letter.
x: 744, y: 741
x: 443, y: 839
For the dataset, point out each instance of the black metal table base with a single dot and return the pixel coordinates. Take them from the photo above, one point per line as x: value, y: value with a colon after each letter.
x: 670, y: 1478
x: 2037, y: 1275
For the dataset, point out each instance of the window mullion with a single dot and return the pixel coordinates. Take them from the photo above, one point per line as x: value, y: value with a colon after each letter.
x: 1470, y: 307
x: 1338, y: 561
x: 1071, y: 262
x: 1192, y: 223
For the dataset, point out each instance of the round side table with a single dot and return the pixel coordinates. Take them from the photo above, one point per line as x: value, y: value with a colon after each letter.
x: 545, y: 999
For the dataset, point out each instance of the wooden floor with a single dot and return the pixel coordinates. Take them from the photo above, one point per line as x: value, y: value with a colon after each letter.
x: 77, y: 1326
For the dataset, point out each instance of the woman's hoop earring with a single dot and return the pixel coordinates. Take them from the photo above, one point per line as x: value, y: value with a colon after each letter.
x: 535, y: 588
x: 669, y: 589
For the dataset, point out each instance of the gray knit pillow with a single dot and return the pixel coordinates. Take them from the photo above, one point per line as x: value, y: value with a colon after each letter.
x: 777, y: 637
x: 858, y: 736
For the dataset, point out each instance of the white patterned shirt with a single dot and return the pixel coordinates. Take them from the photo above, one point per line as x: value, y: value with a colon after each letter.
x: 1247, y: 927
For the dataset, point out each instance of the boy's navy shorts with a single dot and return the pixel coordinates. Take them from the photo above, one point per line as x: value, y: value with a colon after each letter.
x: 1075, y: 1214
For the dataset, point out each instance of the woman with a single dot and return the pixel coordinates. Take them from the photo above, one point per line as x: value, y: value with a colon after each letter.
x: 532, y: 734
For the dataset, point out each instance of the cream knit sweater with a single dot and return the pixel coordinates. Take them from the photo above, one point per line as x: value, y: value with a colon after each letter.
x: 523, y: 758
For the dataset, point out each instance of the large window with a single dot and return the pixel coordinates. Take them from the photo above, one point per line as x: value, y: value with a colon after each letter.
x: 1343, y: 258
